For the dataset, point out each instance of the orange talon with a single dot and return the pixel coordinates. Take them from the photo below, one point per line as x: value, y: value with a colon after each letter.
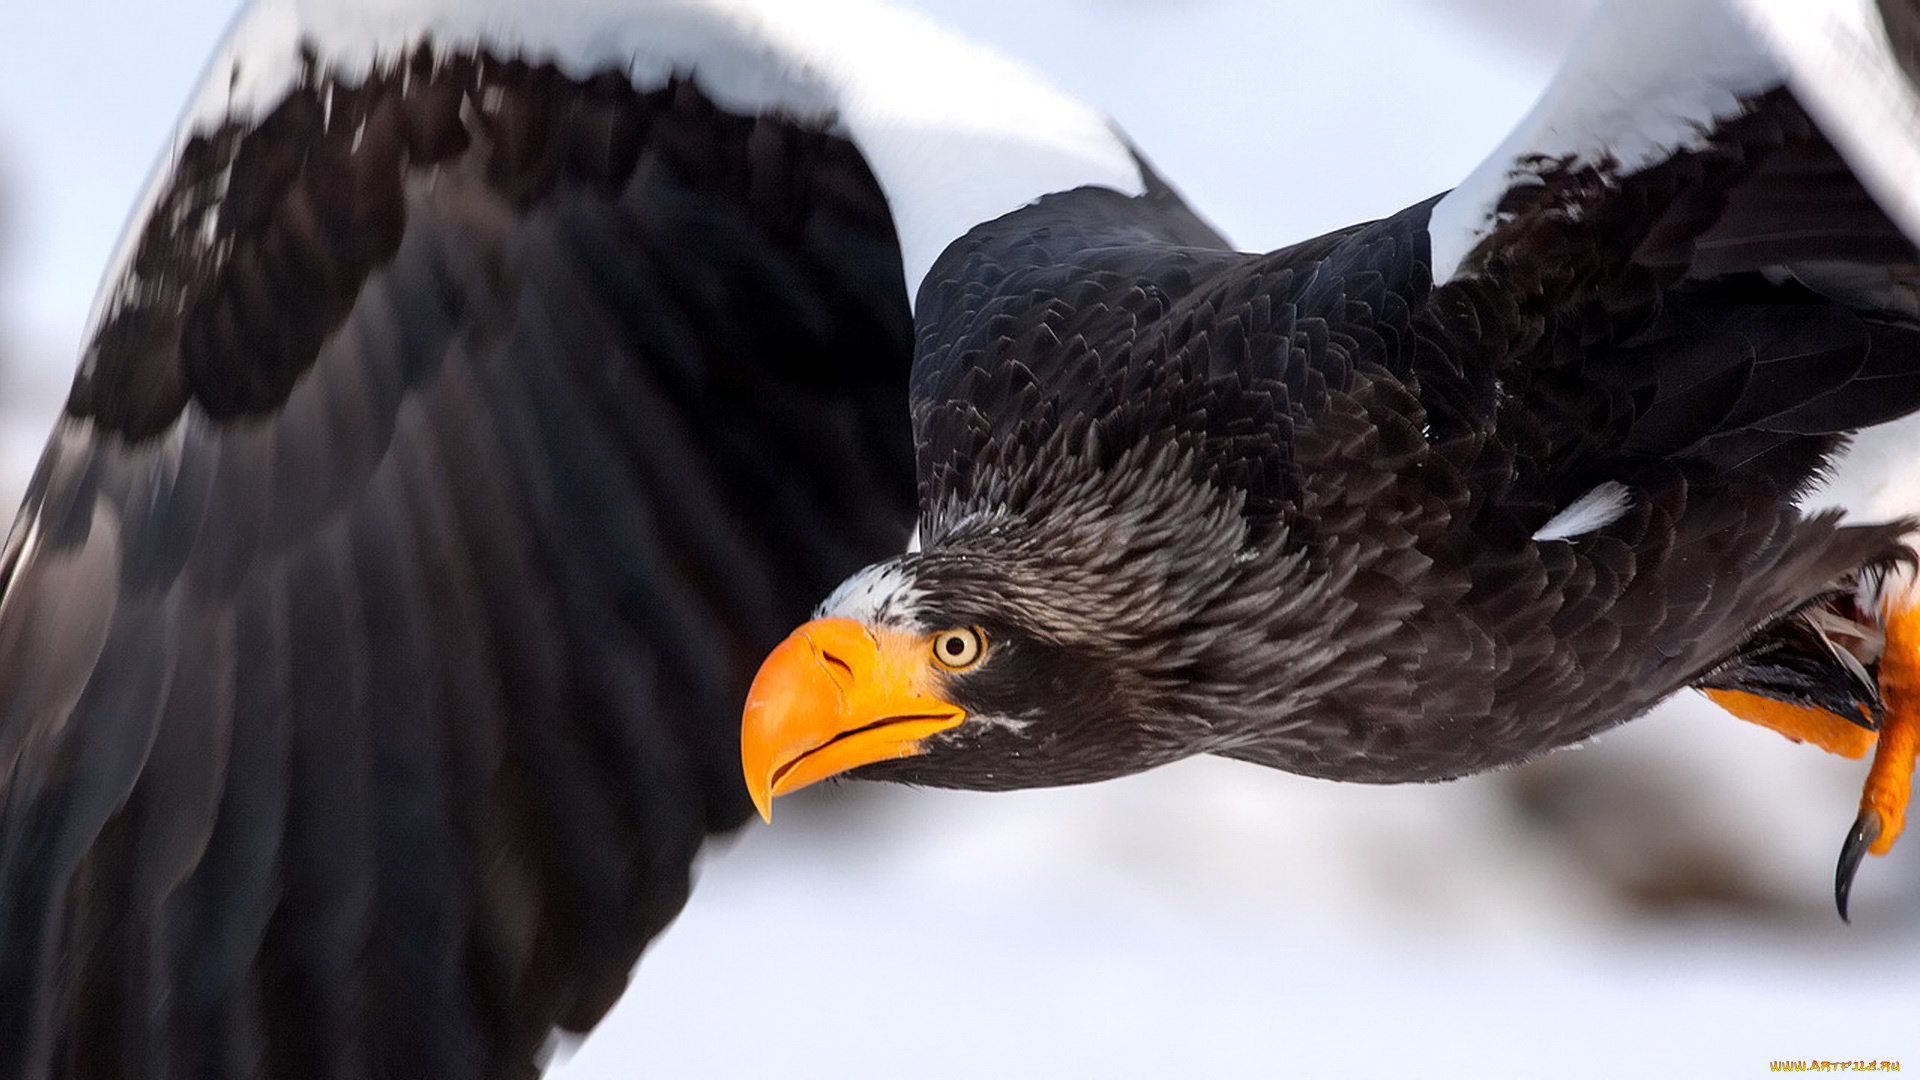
x: 1889, y: 783
x: 1890, y: 779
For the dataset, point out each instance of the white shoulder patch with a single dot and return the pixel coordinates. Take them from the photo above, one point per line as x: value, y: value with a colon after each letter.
x: 1596, y: 509
x: 1843, y: 70
x: 956, y: 134
x: 1648, y: 77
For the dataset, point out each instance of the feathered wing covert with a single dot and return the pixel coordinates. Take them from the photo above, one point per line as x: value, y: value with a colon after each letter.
x: 457, y: 439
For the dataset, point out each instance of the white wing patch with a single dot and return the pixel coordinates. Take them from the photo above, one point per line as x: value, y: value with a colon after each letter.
x: 1596, y: 509
x: 1649, y: 77
x: 1843, y: 70
x: 956, y: 134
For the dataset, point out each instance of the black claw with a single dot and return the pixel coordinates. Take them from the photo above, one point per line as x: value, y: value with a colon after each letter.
x: 1866, y: 829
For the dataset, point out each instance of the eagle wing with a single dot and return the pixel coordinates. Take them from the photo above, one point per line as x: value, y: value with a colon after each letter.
x: 457, y: 433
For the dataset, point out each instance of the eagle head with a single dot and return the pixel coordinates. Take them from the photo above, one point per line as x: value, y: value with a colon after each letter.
x: 1082, y: 637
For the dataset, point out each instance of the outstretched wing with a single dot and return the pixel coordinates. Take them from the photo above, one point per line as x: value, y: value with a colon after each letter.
x: 1709, y: 220
x: 459, y: 431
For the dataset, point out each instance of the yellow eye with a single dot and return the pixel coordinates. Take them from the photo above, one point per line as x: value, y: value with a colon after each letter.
x: 958, y: 650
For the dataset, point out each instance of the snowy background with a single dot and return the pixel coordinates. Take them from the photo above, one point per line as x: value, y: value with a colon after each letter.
x: 1656, y: 904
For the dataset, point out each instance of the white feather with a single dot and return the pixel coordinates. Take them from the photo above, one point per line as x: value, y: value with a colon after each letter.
x: 1596, y: 509
x: 880, y: 595
x: 956, y: 134
x: 1843, y: 71
x: 1648, y: 77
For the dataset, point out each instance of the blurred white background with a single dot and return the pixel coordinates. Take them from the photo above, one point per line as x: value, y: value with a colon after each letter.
x: 1657, y: 904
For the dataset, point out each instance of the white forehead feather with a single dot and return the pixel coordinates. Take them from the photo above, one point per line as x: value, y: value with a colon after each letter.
x: 883, y: 594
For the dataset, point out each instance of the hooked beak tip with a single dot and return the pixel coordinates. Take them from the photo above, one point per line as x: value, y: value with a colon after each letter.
x: 832, y: 697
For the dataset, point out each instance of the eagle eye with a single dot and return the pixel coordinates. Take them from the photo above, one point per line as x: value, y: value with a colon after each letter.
x: 960, y: 649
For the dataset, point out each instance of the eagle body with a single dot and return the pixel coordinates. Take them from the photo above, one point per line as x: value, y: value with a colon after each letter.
x: 1258, y: 506
x: 485, y: 387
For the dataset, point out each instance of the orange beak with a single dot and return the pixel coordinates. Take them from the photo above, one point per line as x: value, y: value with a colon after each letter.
x: 834, y: 696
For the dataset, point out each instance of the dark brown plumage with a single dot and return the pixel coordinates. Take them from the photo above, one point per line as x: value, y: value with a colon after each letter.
x: 1342, y: 469
x: 461, y: 434
x: 409, y: 654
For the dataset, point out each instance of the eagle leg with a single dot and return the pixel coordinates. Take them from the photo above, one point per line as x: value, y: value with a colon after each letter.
x: 1812, y: 676
x: 1883, y: 799
x: 1801, y: 723
x: 1843, y: 674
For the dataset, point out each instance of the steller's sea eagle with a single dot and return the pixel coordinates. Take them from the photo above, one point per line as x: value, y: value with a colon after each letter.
x: 487, y: 387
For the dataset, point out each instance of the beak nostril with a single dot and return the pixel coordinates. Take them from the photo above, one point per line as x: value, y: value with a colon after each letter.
x: 841, y: 670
